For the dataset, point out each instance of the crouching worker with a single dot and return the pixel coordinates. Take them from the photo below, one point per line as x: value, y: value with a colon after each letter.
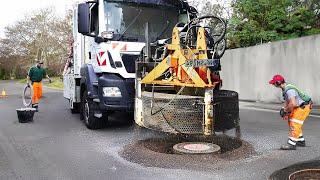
x: 297, y: 108
x: 35, y: 75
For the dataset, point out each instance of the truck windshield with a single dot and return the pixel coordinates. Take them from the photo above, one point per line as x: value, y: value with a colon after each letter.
x: 129, y: 19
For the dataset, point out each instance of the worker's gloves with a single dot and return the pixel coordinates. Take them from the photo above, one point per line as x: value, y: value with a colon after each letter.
x: 28, y: 84
x: 283, y: 113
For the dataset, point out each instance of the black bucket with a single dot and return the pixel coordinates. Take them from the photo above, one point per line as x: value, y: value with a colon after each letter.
x: 25, y: 115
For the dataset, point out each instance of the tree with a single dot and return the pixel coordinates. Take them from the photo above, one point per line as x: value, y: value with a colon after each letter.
x: 219, y: 8
x: 41, y: 35
x: 195, y: 3
x: 313, y: 5
x: 259, y: 21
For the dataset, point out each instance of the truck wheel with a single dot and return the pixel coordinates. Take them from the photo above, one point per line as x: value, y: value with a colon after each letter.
x: 88, y: 109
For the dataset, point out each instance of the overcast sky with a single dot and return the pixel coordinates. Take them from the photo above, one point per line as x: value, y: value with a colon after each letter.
x: 13, y: 10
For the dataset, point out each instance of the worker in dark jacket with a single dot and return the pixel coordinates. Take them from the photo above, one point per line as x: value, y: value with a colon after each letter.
x: 297, y: 108
x: 35, y: 76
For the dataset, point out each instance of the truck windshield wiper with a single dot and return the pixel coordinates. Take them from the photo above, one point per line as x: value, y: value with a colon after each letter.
x: 132, y: 22
x: 164, y: 30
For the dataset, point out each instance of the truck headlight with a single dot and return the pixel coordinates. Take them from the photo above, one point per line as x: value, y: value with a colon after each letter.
x: 111, y: 92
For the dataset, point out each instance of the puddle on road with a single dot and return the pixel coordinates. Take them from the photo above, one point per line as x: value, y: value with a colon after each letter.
x: 158, y: 152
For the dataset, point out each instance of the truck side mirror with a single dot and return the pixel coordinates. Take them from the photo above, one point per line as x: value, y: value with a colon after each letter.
x: 84, y: 18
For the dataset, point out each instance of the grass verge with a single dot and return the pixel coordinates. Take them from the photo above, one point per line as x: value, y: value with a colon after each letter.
x: 56, y: 83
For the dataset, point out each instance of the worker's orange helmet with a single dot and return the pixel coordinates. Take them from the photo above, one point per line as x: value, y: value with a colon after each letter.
x: 277, y: 80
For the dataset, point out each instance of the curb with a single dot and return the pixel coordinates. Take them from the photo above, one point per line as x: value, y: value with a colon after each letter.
x: 276, y: 107
x: 53, y: 88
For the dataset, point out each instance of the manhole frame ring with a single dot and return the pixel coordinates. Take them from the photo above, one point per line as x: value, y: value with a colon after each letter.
x: 213, y: 148
x: 301, y: 171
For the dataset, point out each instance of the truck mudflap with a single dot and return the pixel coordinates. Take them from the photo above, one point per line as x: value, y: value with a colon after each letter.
x: 127, y: 88
x: 88, y: 77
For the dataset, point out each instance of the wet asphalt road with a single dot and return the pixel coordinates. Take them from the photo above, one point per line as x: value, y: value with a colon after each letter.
x: 58, y: 146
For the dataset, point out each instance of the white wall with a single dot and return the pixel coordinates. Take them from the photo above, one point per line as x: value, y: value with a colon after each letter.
x: 248, y: 70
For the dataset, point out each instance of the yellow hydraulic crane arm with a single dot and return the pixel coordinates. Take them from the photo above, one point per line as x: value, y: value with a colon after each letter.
x: 176, y: 62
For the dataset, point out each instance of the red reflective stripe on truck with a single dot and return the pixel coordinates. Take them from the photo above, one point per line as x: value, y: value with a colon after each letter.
x: 114, y: 45
x: 98, y: 61
x: 101, y: 54
x: 102, y: 61
x: 124, y: 48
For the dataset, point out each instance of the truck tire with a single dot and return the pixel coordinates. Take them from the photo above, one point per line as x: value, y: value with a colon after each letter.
x: 87, y: 110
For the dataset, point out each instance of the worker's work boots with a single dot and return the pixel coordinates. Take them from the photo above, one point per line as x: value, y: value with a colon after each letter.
x: 288, y: 147
x: 301, y: 143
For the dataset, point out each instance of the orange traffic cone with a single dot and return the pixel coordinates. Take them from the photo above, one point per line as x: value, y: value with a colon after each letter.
x: 3, y: 94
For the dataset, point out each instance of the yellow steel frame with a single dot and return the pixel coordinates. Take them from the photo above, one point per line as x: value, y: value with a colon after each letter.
x: 180, y: 55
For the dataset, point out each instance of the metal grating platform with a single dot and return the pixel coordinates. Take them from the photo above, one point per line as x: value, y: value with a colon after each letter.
x: 184, y: 114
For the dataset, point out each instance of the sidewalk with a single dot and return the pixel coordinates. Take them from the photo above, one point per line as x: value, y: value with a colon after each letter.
x: 273, y: 106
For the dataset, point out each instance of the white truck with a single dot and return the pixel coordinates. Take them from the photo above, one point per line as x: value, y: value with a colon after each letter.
x: 109, y: 36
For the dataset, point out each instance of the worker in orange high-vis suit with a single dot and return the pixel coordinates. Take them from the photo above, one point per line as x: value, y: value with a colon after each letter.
x: 297, y: 108
x: 35, y: 75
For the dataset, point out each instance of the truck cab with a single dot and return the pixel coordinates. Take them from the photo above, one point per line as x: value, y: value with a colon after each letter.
x: 108, y: 37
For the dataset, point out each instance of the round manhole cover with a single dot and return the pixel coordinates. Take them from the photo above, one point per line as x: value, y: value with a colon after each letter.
x: 196, y: 148
x: 306, y: 174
